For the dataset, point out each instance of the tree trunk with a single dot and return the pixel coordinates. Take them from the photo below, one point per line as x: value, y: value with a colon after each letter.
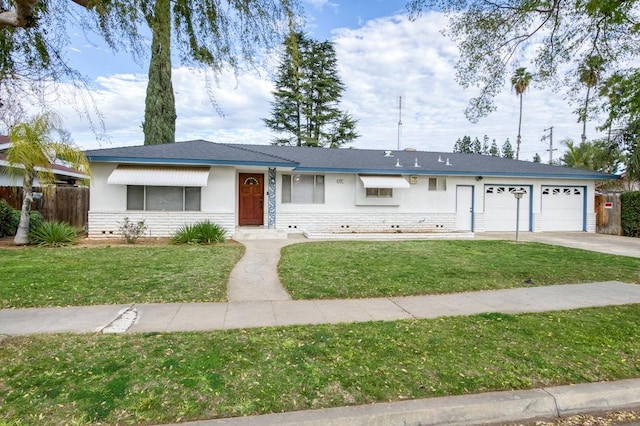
x: 584, y: 121
x: 22, y: 235
x: 160, y: 108
x: 519, y: 127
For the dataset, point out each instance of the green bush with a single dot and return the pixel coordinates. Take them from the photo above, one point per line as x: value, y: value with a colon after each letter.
x: 53, y: 234
x: 199, y: 233
x: 9, y: 218
x: 630, y: 213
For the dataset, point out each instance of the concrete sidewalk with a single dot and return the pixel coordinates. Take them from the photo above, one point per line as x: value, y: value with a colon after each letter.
x: 170, y: 317
x: 476, y: 409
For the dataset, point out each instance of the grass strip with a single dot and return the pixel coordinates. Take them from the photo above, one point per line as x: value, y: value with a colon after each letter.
x: 160, y: 378
x: 36, y: 277
x: 356, y: 269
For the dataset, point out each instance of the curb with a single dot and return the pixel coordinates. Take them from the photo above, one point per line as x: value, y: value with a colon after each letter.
x: 477, y: 409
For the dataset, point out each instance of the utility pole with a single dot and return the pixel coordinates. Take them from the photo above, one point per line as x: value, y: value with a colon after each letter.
x: 399, y: 119
x: 550, y: 137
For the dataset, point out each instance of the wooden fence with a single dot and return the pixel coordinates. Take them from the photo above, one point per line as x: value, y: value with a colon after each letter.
x: 68, y: 204
x: 608, y: 210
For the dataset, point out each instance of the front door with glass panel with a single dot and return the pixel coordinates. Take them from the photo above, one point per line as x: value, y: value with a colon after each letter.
x: 251, y: 199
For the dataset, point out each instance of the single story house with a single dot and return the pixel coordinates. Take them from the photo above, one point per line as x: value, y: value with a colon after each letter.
x: 299, y: 189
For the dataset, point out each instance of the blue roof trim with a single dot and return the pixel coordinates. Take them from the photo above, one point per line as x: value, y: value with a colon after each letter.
x: 456, y: 173
x: 181, y: 161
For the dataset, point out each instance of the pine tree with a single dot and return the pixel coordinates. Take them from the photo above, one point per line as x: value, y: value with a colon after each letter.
x: 485, y: 145
x: 308, y: 91
x: 476, y: 147
x: 507, y: 149
x: 159, y: 124
x: 537, y: 159
x: 494, y: 151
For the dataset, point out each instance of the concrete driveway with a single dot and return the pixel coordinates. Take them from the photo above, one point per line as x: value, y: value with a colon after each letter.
x: 611, y: 244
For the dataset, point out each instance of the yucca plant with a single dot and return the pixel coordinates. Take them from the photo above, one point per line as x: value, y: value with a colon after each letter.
x: 199, y: 233
x: 53, y: 234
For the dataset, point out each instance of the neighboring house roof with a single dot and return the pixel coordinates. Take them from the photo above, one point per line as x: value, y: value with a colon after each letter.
x: 342, y: 160
x: 57, y: 169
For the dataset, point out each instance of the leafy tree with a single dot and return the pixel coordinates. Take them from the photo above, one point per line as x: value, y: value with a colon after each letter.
x: 520, y: 81
x: 507, y: 149
x: 308, y: 91
x: 495, y: 36
x: 31, y: 155
x: 494, y: 151
x: 598, y: 155
x: 536, y: 158
x: 213, y: 35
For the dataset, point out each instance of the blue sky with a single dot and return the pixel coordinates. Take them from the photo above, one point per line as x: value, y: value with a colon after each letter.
x: 382, y: 55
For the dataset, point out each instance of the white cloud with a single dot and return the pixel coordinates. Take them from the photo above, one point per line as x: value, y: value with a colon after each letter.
x: 384, y: 59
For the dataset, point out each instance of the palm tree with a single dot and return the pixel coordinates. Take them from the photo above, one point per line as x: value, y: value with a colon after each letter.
x: 31, y: 155
x: 520, y: 82
x: 589, y: 74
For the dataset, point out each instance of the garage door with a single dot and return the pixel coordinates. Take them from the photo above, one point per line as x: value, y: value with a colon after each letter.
x: 562, y: 208
x: 500, y: 206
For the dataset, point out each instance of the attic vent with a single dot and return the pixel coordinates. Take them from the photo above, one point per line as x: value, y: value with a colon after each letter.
x: 410, y: 149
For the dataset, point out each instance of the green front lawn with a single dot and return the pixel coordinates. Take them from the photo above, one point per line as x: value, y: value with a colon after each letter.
x: 354, y: 269
x: 120, y: 274
x: 161, y: 378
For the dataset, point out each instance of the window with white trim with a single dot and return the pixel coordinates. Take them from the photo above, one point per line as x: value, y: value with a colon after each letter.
x: 379, y: 192
x: 163, y: 198
x: 303, y: 189
x: 437, y: 184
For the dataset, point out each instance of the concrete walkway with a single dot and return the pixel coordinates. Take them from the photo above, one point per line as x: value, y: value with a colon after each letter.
x: 255, y: 276
x: 168, y: 317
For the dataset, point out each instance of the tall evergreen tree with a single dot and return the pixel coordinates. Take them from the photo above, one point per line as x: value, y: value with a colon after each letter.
x: 464, y: 145
x: 308, y: 90
x: 494, y: 151
x: 507, y: 149
x: 476, y: 147
x: 485, y: 145
x: 159, y: 124
x: 537, y: 159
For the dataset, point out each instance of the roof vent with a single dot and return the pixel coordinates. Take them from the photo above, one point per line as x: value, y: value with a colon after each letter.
x: 416, y: 163
x: 410, y: 149
x: 448, y: 163
x: 440, y: 159
x: 388, y: 154
x: 398, y: 163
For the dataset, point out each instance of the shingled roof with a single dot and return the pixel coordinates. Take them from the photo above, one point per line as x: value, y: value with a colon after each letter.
x: 325, y: 160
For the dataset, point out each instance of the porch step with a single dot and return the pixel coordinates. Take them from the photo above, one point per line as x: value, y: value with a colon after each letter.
x: 259, y: 234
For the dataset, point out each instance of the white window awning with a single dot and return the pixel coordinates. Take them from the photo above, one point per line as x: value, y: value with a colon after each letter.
x: 159, y: 176
x: 385, y: 182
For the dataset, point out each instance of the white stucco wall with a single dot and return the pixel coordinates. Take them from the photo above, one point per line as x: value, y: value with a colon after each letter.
x: 108, y: 205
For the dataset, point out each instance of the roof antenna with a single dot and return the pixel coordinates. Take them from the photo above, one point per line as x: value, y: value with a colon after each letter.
x: 399, y: 119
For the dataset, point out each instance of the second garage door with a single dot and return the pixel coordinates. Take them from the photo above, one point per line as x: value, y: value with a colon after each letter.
x: 500, y: 208
x: 562, y: 208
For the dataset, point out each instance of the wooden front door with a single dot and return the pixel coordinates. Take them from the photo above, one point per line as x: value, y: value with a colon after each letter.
x: 251, y: 208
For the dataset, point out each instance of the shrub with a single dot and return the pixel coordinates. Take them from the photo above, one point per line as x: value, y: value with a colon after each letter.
x: 630, y: 213
x: 9, y: 219
x: 131, y: 231
x: 199, y: 233
x: 53, y: 234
